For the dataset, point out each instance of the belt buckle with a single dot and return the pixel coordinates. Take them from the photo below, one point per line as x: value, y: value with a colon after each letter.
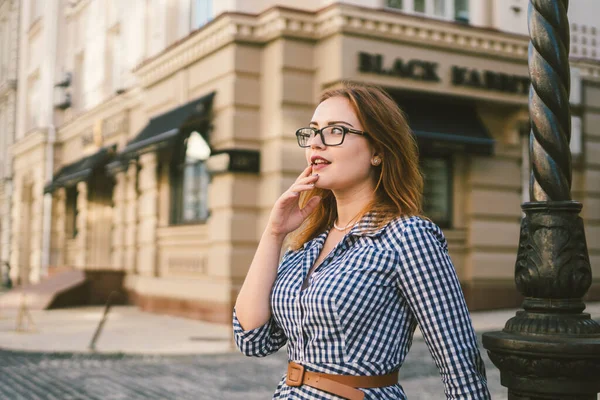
x: 295, y: 375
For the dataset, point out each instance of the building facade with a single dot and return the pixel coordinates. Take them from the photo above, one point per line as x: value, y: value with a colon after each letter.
x: 153, y: 137
x: 9, y: 26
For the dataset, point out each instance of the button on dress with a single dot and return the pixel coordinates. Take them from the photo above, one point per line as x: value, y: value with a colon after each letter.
x: 361, y: 307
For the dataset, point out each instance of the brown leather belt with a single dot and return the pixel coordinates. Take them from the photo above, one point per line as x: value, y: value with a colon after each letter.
x: 341, y: 385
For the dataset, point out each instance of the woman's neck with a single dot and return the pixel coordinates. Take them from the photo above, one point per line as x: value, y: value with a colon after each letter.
x: 350, y: 204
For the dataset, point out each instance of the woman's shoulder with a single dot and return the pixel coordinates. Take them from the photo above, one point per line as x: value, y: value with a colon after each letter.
x: 404, y: 230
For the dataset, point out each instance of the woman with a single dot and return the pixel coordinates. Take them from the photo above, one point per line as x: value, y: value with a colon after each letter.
x: 363, y: 270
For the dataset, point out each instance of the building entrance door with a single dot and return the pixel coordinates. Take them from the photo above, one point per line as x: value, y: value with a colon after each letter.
x: 100, y: 219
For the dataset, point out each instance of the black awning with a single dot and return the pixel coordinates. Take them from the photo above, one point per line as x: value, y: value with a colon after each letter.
x: 80, y: 170
x: 445, y: 126
x: 163, y: 129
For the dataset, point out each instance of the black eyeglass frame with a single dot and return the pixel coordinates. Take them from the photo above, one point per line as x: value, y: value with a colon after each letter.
x: 345, y: 131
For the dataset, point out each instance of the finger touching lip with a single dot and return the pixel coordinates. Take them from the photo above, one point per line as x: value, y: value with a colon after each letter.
x: 318, y: 167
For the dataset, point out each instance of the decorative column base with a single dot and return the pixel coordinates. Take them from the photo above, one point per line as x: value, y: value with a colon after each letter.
x: 551, y: 350
x: 546, y: 367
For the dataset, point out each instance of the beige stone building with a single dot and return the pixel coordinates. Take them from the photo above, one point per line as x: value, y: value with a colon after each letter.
x: 154, y: 136
x: 9, y: 22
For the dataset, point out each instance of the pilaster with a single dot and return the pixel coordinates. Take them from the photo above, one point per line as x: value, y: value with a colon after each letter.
x: 6, y: 217
x: 234, y: 216
x: 15, y: 216
x: 14, y: 41
x: 35, y: 226
x: 131, y: 218
x: 58, y: 239
x: 147, y: 215
x: 82, y: 224
x: 119, y: 220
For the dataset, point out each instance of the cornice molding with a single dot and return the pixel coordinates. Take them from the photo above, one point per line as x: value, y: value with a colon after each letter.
x: 31, y: 140
x: 427, y: 32
x: 590, y: 69
x: 197, y: 45
x: 342, y: 19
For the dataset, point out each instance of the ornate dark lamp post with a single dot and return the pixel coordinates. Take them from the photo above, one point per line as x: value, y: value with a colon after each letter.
x: 551, y: 350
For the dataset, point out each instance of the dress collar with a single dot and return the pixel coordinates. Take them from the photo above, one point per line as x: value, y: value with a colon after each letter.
x: 368, y: 225
x: 319, y: 239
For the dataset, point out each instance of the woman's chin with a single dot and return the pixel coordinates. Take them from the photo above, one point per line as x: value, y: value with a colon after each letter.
x: 323, y: 186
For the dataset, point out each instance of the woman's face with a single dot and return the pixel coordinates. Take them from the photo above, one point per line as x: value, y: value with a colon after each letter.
x: 348, y: 165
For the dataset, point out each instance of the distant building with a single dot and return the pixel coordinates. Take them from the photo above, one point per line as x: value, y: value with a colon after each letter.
x: 154, y: 136
x: 9, y: 51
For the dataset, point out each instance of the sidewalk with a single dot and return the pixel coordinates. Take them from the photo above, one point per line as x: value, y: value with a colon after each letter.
x: 131, y: 331
x: 126, y: 330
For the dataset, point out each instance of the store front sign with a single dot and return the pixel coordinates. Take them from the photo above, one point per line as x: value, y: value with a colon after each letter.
x: 490, y: 80
x: 413, y: 69
x: 234, y: 160
x: 428, y: 71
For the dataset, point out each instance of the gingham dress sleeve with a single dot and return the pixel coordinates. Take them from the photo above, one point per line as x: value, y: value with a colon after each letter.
x: 261, y: 341
x: 264, y: 340
x: 429, y: 283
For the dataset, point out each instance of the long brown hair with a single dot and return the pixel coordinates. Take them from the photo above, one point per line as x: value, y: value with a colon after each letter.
x: 399, y: 188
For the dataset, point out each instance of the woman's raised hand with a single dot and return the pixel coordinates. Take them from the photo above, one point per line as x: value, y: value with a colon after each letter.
x: 287, y: 215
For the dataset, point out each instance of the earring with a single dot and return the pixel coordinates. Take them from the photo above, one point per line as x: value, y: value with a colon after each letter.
x: 376, y: 161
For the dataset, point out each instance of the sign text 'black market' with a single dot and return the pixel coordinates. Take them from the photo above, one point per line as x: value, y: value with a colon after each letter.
x: 428, y: 71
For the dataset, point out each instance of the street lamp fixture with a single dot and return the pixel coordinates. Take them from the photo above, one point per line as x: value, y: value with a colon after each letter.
x: 550, y: 349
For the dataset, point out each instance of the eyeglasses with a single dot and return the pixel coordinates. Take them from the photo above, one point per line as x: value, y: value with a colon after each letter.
x: 332, y: 135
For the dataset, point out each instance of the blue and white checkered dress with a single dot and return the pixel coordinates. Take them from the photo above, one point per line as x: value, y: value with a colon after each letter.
x: 362, y: 305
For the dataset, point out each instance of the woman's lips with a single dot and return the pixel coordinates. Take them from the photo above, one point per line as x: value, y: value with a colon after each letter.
x: 318, y: 167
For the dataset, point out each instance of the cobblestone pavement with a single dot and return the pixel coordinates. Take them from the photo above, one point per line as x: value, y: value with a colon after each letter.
x: 31, y: 376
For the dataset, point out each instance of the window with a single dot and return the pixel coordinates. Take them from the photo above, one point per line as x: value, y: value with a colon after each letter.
x: 113, y: 58
x: 190, y: 181
x: 156, y: 28
x: 4, y: 54
x: 33, y: 102
x: 461, y: 10
x: 437, y: 193
x: 439, y: 7
x: 78, y: 88
x: 445, y: 9
x: 419, y: 6
x: 399, y: 4
x: 3, y: 136
x: 113, y: 63
x: 71, y: 212
x: 201, y: 12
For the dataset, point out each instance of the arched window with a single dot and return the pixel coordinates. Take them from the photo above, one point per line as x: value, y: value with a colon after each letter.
x: 190, y: 180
